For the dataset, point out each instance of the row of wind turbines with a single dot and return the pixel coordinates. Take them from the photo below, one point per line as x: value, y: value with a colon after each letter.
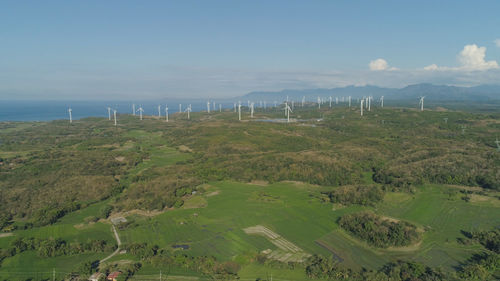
x: 365, y: 104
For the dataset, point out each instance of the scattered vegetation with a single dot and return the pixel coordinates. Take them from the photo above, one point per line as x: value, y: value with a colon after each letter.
x: 360, y: 194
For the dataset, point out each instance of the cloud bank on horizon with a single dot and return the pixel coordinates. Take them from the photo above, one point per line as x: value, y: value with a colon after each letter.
x: 471, y: 58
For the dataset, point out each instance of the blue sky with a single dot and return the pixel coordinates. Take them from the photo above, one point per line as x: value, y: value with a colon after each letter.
x: 152, y: 49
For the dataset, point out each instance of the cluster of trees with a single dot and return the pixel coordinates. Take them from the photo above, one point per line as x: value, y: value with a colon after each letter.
x: 490, y: 239
x: 54, y: 247
x: 5, y: 220
x: 378, y: 231
x: 446, y: 167
x: 481, y: 267
x: 51, y: 213
x: 359, y: 194
x: 318, y: 267
x: 207, y: 265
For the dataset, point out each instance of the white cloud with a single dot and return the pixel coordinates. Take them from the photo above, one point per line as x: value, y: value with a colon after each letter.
x: 431, y: 67
x: 497, y: 42
x: 380, y: 64
x: 471, y: 58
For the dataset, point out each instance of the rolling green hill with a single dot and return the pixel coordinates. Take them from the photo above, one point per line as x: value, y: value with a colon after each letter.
x: 214, y: 198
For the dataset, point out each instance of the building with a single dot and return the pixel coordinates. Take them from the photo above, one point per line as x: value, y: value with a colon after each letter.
x: 113, y: 276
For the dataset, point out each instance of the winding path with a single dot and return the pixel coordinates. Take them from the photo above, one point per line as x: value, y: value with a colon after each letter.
x: 118, y: 241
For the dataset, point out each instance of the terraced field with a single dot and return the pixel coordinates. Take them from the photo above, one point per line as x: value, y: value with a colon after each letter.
x: 287, y: 250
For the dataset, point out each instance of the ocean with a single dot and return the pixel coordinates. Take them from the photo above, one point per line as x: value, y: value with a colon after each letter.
x: 17, y: 110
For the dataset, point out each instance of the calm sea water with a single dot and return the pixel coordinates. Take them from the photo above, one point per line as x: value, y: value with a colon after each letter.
x: 54, y: 110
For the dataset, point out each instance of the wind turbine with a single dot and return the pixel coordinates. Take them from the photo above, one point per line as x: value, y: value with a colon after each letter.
x: 109, y: 113
x: 287, y: 112
x: 159, y: 111
x: 349, y: 101
x: 133, y: 109
x: 369, y: 103
x: 141, y: 110
x: 220, y: 107
x: 166, y: 113
x: 180, y: 108
x: 234, y: 107
x: 330, y: 101
x: 319, y: 103
x: 208, y: 106
x: 382, y: 101
x: 239, y: 111
x: 265, y: 104
x: 213, y: 103
x: 498, y: 144
x: 114, y: 115
x: 303, y: 100
x: 362, y: 102
x: 421, y: 103
x: 188, y: 110
x: 336, y: 100
x: 251, y: 109
x: 70, y: 115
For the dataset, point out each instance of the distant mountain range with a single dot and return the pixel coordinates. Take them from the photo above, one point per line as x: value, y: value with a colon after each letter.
x: 430, y: 91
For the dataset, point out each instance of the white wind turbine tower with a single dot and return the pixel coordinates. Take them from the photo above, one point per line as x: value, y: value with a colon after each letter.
x: 330, y: 101
x: 180, y: 108
x: 265, y: 104
x: 159, y: 111
x: 213, y: 103
x: 114, y: 115
x: 70, y: 115
x: 133, y: 109
x: 239, y: 111
x: 382, y: 101
x: 369, y: 103
x: 166, y: 113
x: 421, y: 103
x: 287, y: 112
x: 220, y: 107
x: 362, y: 102
x: 336, y: 100
x: 234, y: 107
x: 498, y: 144
x: 349, y: 101
x: 109, y: 113
x: 319, y: 103
x: 251, y: 109
x: 303, y: 100
x: 188, y: 110
x: 141, y: 110
x: 208, y: 106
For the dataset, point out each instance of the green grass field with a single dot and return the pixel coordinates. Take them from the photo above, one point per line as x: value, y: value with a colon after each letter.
x: 212, y: 225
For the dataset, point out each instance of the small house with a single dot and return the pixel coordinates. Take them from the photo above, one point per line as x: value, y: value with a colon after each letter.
x: 113, y: 276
